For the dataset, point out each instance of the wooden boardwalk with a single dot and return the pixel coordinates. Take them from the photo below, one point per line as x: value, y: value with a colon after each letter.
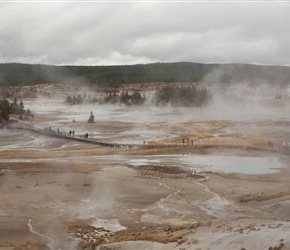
x: 66, y: 135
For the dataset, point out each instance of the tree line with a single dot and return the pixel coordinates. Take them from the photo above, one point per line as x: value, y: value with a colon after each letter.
x: 180, y: 96
x: 184, y: 96
x: 111, y: 97
x: 16, y: 74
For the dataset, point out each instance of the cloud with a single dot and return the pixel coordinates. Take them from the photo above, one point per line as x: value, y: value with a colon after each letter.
x: 100, y: 33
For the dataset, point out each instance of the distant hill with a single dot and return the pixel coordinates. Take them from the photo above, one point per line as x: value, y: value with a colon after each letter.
x: 15, y: 74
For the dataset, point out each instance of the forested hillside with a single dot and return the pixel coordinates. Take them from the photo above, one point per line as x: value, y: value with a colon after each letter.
x: 114, y: 76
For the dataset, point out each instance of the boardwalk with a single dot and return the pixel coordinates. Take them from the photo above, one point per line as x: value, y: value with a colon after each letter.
x: 66, y: 135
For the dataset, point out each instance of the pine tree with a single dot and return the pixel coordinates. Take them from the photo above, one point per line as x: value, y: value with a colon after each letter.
x: 4, y: 110
x: 92, y: 118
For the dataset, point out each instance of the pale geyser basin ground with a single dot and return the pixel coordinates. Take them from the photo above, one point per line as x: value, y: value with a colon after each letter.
x: 137, y: 192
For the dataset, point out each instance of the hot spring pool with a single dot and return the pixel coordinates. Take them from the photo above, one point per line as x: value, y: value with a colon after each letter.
x: 234, y: 164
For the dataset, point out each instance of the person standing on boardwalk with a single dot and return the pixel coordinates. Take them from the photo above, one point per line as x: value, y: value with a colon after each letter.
x: 192, y: 141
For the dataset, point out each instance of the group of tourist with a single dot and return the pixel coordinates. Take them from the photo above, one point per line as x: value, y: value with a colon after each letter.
x: 270, y: 144
x: 71, y: 133
x: 187, y: 141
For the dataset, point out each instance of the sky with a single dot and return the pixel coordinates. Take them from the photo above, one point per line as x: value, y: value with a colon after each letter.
x: 141, y: 32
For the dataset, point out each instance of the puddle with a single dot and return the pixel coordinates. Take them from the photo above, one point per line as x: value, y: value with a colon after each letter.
x: 140, y: 162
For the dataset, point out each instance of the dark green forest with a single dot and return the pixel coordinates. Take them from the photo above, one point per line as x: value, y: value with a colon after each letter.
x: 184, y: 96
x: 15, y: 107
x: 16, y: 74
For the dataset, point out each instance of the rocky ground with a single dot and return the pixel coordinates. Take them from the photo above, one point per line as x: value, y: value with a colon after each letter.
x: 59, y: 194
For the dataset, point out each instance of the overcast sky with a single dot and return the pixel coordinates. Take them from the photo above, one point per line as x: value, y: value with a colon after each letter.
x: 118, y: 33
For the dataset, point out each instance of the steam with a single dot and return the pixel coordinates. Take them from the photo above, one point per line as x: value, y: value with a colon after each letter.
x: 230, y: 102
x: 100, y: 198
x: 50, y: 243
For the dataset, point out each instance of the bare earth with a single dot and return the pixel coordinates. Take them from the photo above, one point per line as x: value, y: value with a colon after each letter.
x: 60, y: 194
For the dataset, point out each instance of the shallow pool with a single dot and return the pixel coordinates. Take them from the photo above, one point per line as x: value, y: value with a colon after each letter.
x: 234, y: 164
